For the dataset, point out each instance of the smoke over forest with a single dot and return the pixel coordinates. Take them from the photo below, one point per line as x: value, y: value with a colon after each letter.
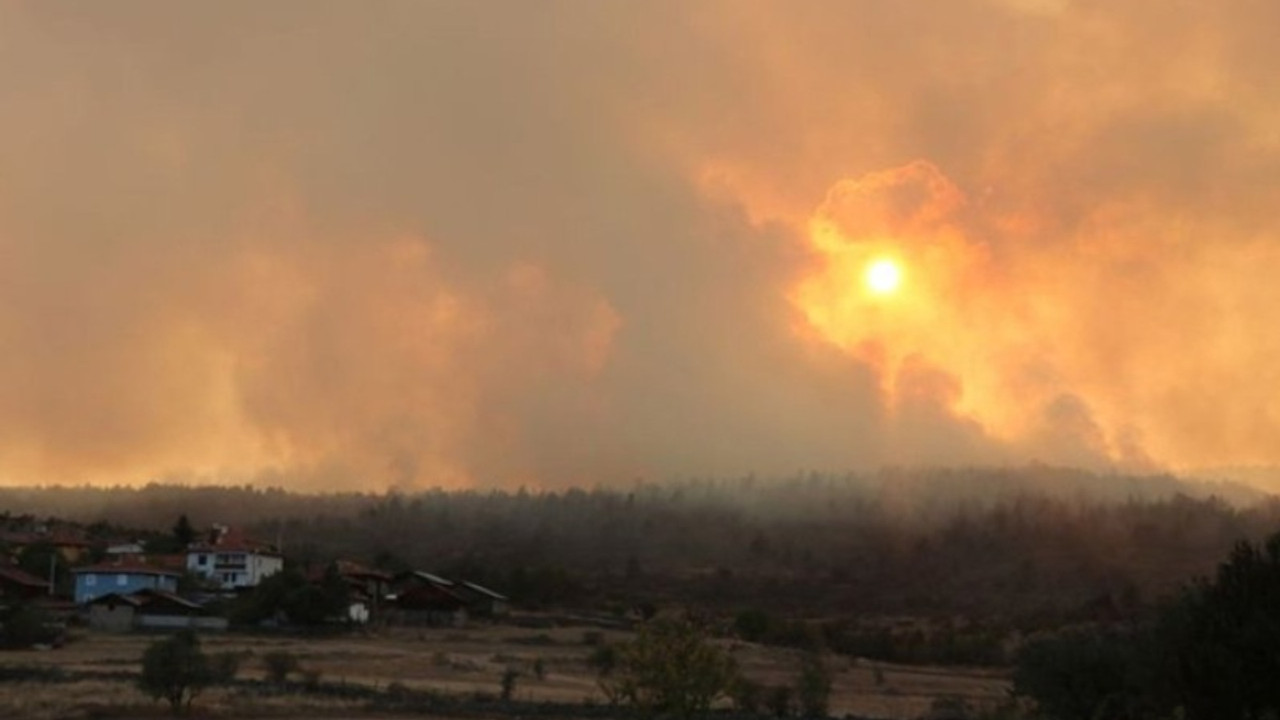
x: 353, y: 246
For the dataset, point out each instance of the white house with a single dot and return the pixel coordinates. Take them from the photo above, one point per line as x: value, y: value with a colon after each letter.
x: 233, y: 561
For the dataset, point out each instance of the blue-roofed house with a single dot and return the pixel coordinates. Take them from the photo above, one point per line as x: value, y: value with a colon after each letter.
x: 98, y: 580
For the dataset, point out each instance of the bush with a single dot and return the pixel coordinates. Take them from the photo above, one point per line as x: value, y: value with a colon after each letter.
x: 22, y: 626
x: 224, y: 666
x: 778, y: 700
x: 509, y: 677
x: 753, y: 625
x: 279, y: 664
x: 746, y: 695
x: 813, y: 689
x: 1073, y: 673
x: 670, y: 669
x: 176, y: 670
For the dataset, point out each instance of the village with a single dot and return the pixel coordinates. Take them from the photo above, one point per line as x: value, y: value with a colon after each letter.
x: 348, y: 639
x: 208, y: 580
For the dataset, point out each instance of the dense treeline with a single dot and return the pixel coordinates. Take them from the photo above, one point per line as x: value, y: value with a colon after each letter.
x: 1032, y: 545
x: 1210, y: 652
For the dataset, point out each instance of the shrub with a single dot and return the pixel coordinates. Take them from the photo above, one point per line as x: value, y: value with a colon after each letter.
x: 670, y: 669
x: 279, y: 664
x: 176, y: 670
x: 23, y: 626
x: 813, y: 689
x: 224, y: 666
x: 746, y: 695
x: 509, y: 677
x: 778, y: 700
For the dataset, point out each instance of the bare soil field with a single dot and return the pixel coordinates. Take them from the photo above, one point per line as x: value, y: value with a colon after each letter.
x: 469, y: 662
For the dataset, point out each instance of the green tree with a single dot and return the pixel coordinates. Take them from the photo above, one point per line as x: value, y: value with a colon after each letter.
x: 671, y: 669
x: 1213, y: 653
x: 39, y: 558
x: 183, y: 533
x: 300, y: 601
x: 1220, y: 642
x: 176, y: 670
x: 1082, y: 672
x: 22, y: 626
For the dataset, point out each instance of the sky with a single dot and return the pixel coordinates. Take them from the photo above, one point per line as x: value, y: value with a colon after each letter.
x: 382, y: 244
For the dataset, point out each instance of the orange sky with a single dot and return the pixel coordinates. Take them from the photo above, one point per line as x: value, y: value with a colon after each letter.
x: 360, y: 245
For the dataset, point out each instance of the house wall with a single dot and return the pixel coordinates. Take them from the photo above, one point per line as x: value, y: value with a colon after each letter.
x: 178, y: 622
x: 234, y: 569
x: 429, y: 618
x: 90, y: 585
x: 111, y: 619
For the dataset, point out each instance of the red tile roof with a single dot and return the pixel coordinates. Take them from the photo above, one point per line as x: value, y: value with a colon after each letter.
x: 22, y: 577
x: 232, y: 540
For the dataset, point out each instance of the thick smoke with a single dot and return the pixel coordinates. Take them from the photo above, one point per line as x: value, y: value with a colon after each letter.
x: 345, y: 245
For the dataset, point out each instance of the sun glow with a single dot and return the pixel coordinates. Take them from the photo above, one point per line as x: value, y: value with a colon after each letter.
x: 883, y: 276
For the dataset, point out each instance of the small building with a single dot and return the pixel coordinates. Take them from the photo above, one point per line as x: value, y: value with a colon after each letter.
x: 97, y: 580
x: 481, y: 601
x: 426, y: 604
x: 367, y: 589
x: 150, y: 609
x: 113, y: 612
x: 233, y: 561
x: 18, y: 585
x: 70, y: 547
x: 126, y: 551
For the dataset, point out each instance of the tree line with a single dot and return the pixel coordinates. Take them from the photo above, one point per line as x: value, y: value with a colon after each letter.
x: 1028, y: 547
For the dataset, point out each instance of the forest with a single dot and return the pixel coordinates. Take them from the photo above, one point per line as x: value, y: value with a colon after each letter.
x: 1024, y: 547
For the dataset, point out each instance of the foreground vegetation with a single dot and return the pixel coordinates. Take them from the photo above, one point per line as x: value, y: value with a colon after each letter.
x: 485, y: 671
x: 1210, y: 653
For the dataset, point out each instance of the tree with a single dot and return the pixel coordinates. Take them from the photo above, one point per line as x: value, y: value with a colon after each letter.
x: 1220, y: 641
x: 1083, y: 672
x: 176, y: 670
x: 39, y: 558
x: 183, y: 533
x: 1212, y: 653
x: 22, y: 626
x: 290, y: 594
x: 670, y: 669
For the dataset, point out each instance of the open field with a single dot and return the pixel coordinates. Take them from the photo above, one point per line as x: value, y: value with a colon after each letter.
x: 467, y: 662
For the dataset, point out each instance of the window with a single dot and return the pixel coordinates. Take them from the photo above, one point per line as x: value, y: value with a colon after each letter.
x: 90, y: 580
x: 202, y: 560
x: 122, y: 580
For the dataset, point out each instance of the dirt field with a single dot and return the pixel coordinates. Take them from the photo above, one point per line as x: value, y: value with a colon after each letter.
x: 465, y: 661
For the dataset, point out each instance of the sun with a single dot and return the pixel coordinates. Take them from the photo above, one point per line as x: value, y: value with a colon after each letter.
x: 883, y: 276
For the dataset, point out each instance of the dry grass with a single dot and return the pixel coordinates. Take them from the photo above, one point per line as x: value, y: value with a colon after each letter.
x: 468, y: 662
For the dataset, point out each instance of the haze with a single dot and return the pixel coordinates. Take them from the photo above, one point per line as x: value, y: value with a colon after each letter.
x: 343, y: 245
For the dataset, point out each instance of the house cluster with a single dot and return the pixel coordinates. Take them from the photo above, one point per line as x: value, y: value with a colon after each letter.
x: 127, y: 588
